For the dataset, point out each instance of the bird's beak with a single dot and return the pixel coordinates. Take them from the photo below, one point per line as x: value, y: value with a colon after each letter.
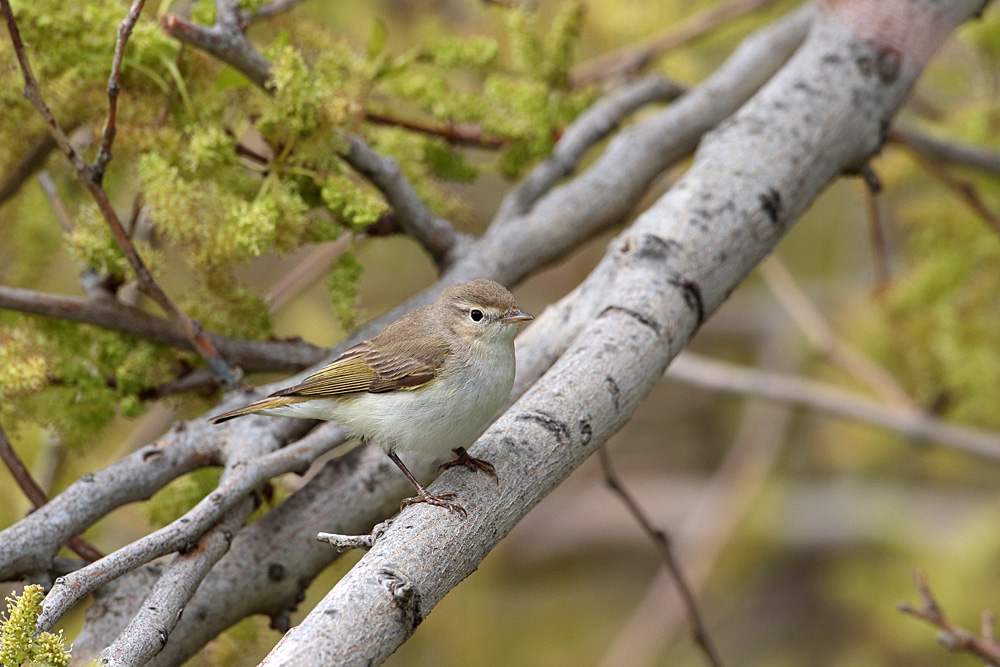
x: 516, y: 316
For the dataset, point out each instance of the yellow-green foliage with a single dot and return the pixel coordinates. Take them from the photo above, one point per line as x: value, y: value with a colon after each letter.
x: 938, y: 325
x: 228, y: 172
x: 342, y: 287
x: 178, y: 497
x: 18, y: 643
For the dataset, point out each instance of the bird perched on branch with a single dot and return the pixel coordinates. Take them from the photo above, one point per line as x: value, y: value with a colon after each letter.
x: 427, y: 384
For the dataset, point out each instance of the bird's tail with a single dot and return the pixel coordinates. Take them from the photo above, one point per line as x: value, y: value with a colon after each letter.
x: 265, y: 404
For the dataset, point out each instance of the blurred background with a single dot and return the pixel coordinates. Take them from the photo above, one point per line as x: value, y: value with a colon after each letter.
x: 798, y: 530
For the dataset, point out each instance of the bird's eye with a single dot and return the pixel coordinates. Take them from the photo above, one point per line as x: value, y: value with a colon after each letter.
x: 476, y: 314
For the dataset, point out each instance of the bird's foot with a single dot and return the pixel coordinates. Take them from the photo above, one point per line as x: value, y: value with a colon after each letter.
x: 445, y: 500
x: 470, y: 462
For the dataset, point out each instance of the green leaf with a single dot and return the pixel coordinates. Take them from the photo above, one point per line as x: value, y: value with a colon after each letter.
x: 377, y: 40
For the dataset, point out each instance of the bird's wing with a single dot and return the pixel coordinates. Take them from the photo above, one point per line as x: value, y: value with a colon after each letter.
x: 366, y: 368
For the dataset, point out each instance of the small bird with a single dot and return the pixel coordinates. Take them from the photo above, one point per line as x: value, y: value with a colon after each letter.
x: 427, y: 384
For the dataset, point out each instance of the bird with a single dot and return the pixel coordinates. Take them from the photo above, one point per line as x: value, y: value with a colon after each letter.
x: 427, y: 384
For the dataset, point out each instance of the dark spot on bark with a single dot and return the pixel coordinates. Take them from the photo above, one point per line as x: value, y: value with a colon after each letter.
x: 275, y: 571
x: 831, y: 58
x: 151, y: 453
x: 889, y: 61
x: 770, y: 201
x: 88, y: 478
x: 614, y: 390
x: 627, y: 245
x: 654, y: 247
x: 550, y: 423
x: 865, y: 65
x: 586, y: 432
x: 642, y: 319
x: 180, y: 427
x: 692, y: 297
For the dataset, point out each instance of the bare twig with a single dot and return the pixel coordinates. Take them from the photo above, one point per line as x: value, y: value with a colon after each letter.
x: 91, y: 179
x: 114, y: 89
x: 272, y: 9
x: 880, y: 253
x: 253, y: 356
x: 589, y: 128
x: 461, y: 135
x: 36, y: 496
x: 951, y: 636
x: 29, y: 164
x: 821, y: 335
x: 347, y: 542
x: 711, y: 521
x: 661, y: 541
x: 965, y: 190
x: 947, y: 151
x: 908, y: 421
x: 629, y: 62
x: 56, y: 201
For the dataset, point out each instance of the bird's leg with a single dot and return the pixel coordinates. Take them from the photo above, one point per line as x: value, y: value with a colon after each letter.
x: 423, y: 495
x: 463, y: 459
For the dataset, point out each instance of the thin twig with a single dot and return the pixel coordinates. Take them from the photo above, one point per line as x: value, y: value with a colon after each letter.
x: 965, y: 190
x: 271, y: 9
x: 951, y: 636
x: 662, y: 543
x: 809, y: 319
x: 791, y: 389
x: 589, y: 128
x: 114, y: 89
x: 462, y: 135
x: 344, y: 543
x: 947, y: 151
x: 277, y: 355
x: 56, y: 201
x: 880, y: 253
x: 91, y: 180
x: 629, y: 62
x: 32, y: 161
x: 36, y: 496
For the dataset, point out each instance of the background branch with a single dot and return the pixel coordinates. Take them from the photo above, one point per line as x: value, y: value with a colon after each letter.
x: 661, y: 541
x: 33, y: 492
x: 952, y: 636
